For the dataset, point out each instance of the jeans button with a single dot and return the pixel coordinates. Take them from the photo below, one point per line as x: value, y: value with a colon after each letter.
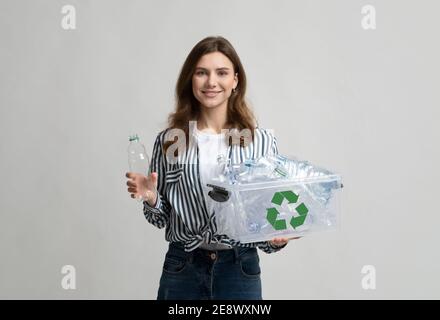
x: 213, y: 256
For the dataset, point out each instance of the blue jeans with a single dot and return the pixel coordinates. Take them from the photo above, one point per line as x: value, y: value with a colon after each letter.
x: 210, y: 275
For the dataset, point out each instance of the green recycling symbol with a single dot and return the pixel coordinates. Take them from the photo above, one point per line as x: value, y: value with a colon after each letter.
x: 278, y: 199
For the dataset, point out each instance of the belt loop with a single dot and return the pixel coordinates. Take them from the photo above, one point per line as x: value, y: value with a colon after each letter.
x: 236, y: 258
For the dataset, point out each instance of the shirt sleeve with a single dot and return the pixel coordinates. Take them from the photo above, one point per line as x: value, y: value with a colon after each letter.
x: 274, y: 147
x: 267, y: 247
x: 159, y: 214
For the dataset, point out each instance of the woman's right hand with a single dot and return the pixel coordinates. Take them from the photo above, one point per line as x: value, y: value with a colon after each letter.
x: 143, y: 187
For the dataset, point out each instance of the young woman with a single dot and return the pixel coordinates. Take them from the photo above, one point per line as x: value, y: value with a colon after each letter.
x: 201, y: 264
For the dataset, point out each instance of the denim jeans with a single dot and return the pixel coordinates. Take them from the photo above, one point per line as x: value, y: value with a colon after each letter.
x: 210, y: 275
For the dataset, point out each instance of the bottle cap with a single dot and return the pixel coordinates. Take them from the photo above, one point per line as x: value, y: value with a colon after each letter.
x: 133, y: 137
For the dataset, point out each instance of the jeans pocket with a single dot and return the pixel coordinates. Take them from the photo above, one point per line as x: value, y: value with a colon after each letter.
x: 250, y: 265
x: 174, y: 264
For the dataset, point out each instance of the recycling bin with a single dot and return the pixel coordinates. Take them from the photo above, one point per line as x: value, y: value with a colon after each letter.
x: 274, y: 197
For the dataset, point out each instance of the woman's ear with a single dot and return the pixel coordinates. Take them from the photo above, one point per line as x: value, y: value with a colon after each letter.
x: 235, y: 80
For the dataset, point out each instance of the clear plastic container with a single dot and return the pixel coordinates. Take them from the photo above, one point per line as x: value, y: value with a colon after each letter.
x: 275, y: 197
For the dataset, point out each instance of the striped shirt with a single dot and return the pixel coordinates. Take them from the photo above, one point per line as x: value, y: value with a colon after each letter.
x: 181, y: 206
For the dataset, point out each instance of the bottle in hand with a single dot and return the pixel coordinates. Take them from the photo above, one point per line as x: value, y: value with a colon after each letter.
x: 138, y: 160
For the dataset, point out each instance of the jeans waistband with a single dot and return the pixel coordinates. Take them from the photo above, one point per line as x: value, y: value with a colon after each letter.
x: 234, y: 254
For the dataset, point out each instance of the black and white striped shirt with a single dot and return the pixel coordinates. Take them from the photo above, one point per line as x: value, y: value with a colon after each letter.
x: 181, y: 206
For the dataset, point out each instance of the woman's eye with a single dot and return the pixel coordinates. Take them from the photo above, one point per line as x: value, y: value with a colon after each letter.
x: 222, y: 73
x: 200, y: 73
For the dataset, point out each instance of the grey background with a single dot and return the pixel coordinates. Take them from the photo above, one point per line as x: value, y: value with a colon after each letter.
x: 361, y: 102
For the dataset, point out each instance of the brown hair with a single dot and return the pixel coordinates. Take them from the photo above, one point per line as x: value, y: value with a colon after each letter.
x: 239, y: 115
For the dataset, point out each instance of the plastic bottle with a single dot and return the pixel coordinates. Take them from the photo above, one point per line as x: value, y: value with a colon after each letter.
x: 138, y: 160
x: 221, y: 167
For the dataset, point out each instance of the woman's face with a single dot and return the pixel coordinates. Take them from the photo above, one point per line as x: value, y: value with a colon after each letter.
x: 213, y: 80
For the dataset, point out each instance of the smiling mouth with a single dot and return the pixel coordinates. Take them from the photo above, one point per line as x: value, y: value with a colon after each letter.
x: 211, y: 93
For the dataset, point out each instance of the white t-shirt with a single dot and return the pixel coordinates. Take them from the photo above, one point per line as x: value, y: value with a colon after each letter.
x: 211, y: 145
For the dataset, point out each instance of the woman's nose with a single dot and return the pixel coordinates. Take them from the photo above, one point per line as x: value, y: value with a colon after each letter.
x: 212, y: 81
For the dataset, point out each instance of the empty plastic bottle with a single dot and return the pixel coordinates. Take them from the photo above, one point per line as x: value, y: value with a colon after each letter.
x: 138, y: 160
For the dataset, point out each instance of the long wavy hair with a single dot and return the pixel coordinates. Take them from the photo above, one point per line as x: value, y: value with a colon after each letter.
x: 239, y: 115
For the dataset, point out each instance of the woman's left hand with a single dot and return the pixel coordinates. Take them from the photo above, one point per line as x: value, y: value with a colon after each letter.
x: 278, y: 242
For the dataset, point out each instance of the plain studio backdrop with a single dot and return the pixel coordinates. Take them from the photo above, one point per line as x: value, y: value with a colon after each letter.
x: 361, y: 102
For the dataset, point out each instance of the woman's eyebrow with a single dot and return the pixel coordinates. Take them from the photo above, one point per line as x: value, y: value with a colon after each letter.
x: 222, y: 68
